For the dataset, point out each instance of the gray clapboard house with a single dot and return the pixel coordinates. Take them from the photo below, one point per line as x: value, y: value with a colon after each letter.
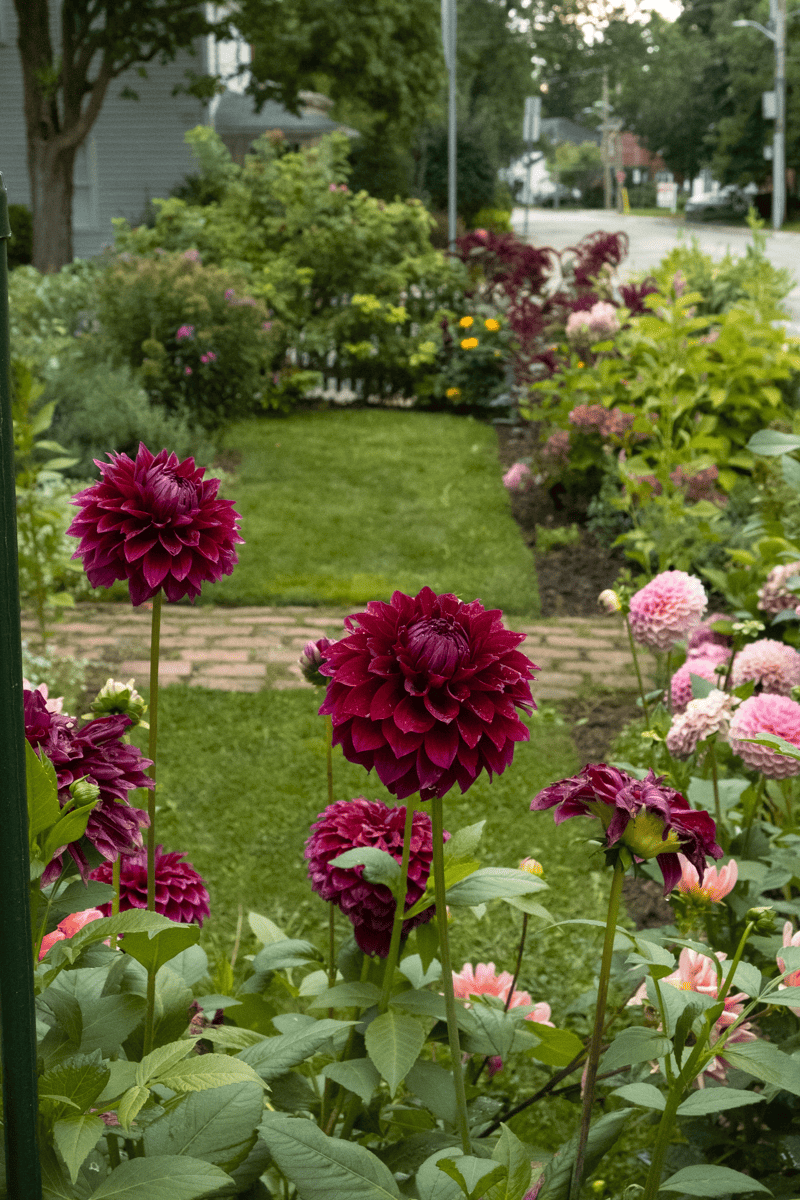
x: 136, y: 149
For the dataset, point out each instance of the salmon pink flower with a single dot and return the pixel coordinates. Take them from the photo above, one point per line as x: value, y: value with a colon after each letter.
x: 484, y: 981
x: 157, y: 523
x: 181, y: 893
x: 646, y: 816
x: 68, y: 928
x: 793, y: 980
x: 716, y: 884
x: 424, y: 690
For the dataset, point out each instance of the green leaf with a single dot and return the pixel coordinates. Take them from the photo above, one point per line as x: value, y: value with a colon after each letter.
x: 602, y: 1135
x: 424, y: 1004
x: 207, y: 1071
x: 276, y: 1055
x: 531, y: 907
x: 161, y: 1178
x: 433, y: 1085
x: 765, y: 1061
x: 131, y: 1104
x: 76, y: 1136
x: 492, y: 883
x: 644, y: 1094
x: 472, y: 1174
x: 347, y: 995
x: 265, y: 930
x: 394, y: 1041
x: 516, y: 1159
x: 433, y: 1184
x: 718, y: 1099
x: 708, y: 1180
x: 279, y: 956
x: 163, y: 1058
x: 789, y: 995
x: 635, y: 1045
x: 747, y: 979
x: 218, y: 1127
x: 557, y: 1047
x: 153, y: 950
x: 769, y: 442
x: 68, y: 828
x: 358, y: 1075
x: 321, y: 1167
x: 379, y: 866
x: 700, y: 687
x: 42, y: 788
x: 80, y: 1079
x: 463, y: 843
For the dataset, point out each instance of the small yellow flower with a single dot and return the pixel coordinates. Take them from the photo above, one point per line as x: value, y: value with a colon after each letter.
x: 469, y: 343
x: 498, y: 354
x: 580, y: 364
x: 492, y: 325
x: 453, y: 393
x: 466, y: 322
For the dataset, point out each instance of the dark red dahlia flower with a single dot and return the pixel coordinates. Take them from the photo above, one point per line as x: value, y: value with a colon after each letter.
x: 369, y: 906
x: 181, y: 894
x: 97, y: 753
x: 651, y: 819
x: 157, y: 523
x: 424, y: 690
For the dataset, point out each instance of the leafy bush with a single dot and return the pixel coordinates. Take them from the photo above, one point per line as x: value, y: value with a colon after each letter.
x: 473, y: 361
x: 496, y: 219
x: 20, y: 244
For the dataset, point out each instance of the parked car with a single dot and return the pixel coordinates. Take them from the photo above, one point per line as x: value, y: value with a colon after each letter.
x: 729, y: 201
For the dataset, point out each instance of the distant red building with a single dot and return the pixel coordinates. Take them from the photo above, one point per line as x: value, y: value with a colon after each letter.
x: 635, y: 157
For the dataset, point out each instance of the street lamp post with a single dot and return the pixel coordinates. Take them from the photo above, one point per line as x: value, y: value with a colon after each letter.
x: 777, y: 35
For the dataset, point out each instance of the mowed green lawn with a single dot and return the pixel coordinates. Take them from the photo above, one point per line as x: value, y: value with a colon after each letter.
x: 346, y: 507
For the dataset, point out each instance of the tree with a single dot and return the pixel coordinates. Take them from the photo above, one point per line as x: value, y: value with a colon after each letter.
x: 66, y: 80
x: 578, y: 167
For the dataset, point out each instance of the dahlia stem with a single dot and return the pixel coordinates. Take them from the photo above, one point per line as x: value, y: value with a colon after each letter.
x: 638, y: 672
x: 397, y: 924
x: 116, y: 880
x: 513, y: 987
x: 614, y: 898
x: 155, y: 637
x: 712, y: 762
x: 329, y: 755
x: 447, y: 972
x: 332, y: 912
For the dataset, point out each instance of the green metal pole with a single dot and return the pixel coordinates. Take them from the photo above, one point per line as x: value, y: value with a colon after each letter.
x: 18, y: 1035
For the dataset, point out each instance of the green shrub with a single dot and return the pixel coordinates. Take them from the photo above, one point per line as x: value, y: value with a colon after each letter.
x: 20, y: 244
x: 496, y: 219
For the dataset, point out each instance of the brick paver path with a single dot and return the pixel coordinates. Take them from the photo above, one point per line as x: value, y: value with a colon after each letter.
x: 246, y: 649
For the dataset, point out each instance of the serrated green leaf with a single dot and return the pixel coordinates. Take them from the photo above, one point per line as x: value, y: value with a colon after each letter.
x: 131, y: 1104
x: 76, y: 1136
x: 154, y: 950
x: 218, y: 1127
x: 358, y: 1075
x: 379, y: 866
x: 321, y: 1167
x: 279, y: 956
x: 464, y: 842
x: 644, y: 1094
x: 207, y: 1071
x: 347, y: 995
x: 747, y: 979
x: 161, y: 1059
x: 789, y: 995
x: 433, y: 1085
x: 557, y: 1047
x: 394, y: 1041
x: 493, y: 883
x: 433, y: 1184
x: 275, y: 1055
x: 765, y: 1061
x: 162, y: 1178
x: 709, y: 1180
x: 80, y: 1080
x: 718, y: 1099
x: 42, y: 788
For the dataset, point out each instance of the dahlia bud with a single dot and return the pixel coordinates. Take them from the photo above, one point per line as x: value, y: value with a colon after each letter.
x: 312, y: 658
x: 610, y: 601
x: 118, y: 699
x: 762, y: 918
x: 748, y: 628
x: 532, y: 866
x: 84, y: 791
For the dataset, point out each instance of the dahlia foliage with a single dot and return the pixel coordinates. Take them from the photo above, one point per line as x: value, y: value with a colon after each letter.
x: 425, y: 691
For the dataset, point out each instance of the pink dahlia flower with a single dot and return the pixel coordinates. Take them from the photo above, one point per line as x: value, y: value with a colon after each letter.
x: 603, y: 320
x: 518, y: 477
x: 793, y: 980
x: 370, y: 907
x: 68, y: 928
x: 704, y: 635
x: 651, y: 819
x: 484, y: 981
x: 713, y: 669
x: 425, y: 689
x: 716, y: 884
x: 775, y: 596
x: 703, y: 717
x: 556, y: 447
x: 98, y: 754
x: 772, y: 666
x: 157, y: 523
x: 54, y: 704
x: 184, y: 332
x: 766, y: 713
x: 666, y: 609
x: 181, y: 893
x: 578, y: 324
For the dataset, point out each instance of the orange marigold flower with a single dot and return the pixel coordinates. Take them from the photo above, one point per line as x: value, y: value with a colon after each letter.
x: 469, y: 343
x: 466, y: 322
x: 492, y: 325
x: 453, y: 393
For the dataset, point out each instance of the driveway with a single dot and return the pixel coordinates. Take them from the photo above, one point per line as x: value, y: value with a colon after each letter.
x: 653, y: 237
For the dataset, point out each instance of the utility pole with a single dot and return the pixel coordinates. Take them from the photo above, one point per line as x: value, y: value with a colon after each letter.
x: 449, y: 43
x: 605, y: 147
x: 778, y: 22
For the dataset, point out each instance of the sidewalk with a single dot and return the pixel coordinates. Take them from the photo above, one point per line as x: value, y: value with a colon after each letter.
x: 247, y: 649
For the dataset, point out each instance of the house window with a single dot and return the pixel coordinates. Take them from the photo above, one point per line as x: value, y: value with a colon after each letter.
x: 85, y: 206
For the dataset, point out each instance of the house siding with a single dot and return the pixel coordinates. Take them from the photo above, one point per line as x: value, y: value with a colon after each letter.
x: 134, y: 152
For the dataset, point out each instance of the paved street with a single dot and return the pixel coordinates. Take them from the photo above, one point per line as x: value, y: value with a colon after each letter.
x: 653, y: 237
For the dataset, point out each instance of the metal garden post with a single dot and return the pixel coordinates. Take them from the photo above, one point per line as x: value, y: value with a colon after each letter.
x: 18, y: 1037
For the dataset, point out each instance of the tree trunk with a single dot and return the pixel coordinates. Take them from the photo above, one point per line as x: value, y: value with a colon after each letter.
x: 50, y: 168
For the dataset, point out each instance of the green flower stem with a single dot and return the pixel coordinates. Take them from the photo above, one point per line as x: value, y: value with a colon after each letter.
x: 712, y: 762
x: 477, y: 1074
x: 329, y: 755
x: 638, y: 672
x: 400, y: 906
x: 332, y: 912
x: 149, y: 1015
x: 155, y: 637
x: 116, y: 881
x: 447, y: 973
x: 614, y: 899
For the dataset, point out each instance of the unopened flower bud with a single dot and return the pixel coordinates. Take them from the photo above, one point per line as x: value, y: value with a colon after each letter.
x: 531, y: 866
x: 312, y: 658
x: 762, y: 918
x: 115, y: 698
x: 748, y: 628
x: 610, y: 601
x: 84, y: 791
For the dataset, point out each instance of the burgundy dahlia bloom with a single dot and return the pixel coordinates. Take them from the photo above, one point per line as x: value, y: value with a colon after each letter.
x: 181, y: 893
x: 157, y: 523
x: 96, y: 753
x: 425, y: 690
x: 369, y: 906
x: 651, y: 819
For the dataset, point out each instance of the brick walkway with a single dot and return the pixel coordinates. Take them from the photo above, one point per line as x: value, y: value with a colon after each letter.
x: 247, y: 649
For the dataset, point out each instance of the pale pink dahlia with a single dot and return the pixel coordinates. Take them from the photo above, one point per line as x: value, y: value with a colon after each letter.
x: 157, y: 523
x: 716, y: 884
x: 713, y: 669
x: 773, y: 666
x: 775, y: 596
x: 425, y: 690
x: 667, y: 609
x: 766, y: 713
x: 181, y: 893
x: 578, y: 324
x: 68, y: 928
x: 704, y: 635
x: 702, y: 718
x: 518, y: 477
x: 603, y: 320
x: 793, y: 980
x: 484, y: 981
x: 370, y: 907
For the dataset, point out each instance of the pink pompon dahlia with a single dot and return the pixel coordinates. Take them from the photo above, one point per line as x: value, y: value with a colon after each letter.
x: 766, y: 713
x: 181, y: 893
x: 646, y: 816
x: 157, y: 523
x: 68, y: 928
x: 703, y: 717
x: 716, y: 884
x: 425, y: 689
x: 667, y: 609
x: 772, y: 666
x: 793, y: 980
x: 370, y: 907
x: 712, y: 669
x: 98, y: 754
x: 775, y: 596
